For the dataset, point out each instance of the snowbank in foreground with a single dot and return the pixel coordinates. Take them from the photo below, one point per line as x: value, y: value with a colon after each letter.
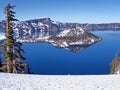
x: 65, y: 82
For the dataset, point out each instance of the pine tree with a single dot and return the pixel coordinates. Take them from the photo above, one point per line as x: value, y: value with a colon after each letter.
x: 19, y: 60
x: 114, y: 64
x: 12, y: 51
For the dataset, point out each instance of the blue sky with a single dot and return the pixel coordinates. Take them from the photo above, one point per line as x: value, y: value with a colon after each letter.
x: 81, y: 11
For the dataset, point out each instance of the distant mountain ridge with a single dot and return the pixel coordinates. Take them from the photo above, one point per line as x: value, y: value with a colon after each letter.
x: 48, y: 24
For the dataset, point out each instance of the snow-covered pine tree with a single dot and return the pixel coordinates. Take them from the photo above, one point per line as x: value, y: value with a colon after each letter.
x: 12, y: 52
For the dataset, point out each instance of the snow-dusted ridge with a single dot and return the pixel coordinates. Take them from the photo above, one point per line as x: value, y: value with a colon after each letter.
x: 59, y: 82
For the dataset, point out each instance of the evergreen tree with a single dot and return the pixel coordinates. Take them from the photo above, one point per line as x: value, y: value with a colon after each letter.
x: 114, y: 64
x: 12, y: 51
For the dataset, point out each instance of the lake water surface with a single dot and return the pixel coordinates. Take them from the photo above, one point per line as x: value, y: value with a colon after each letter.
x: 44, y: 58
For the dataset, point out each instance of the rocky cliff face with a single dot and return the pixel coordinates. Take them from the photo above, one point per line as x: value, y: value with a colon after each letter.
x: 34, y: 28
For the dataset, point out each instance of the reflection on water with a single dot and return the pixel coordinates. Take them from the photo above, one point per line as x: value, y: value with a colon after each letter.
x: 76, y: 48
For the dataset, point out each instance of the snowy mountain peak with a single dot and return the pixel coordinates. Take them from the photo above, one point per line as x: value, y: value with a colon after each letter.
x: 75, y: 30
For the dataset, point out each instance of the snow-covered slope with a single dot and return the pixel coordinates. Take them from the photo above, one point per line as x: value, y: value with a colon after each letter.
x: 65, y: 82
x: 71, y: 32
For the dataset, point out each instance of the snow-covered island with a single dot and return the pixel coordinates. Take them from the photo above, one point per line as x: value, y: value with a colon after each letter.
x: 59, y: 82
x: 73, y: 36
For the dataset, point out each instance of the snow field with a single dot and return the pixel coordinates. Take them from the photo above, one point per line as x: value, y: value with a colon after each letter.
x: 59, y: 82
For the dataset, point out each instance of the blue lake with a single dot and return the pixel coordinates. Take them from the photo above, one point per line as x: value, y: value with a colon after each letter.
x: 44, y: 58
